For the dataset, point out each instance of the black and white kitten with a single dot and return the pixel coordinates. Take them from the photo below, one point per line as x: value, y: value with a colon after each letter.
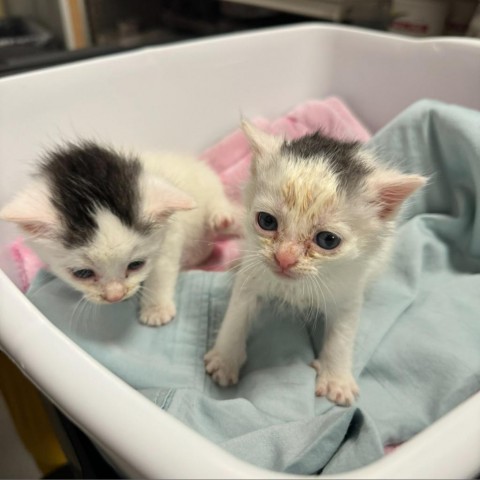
x: 110, y: 224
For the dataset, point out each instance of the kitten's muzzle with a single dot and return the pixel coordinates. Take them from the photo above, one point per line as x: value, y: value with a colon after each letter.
x: 286, y: 257
x: 283, y: 267
x: 114, y: 292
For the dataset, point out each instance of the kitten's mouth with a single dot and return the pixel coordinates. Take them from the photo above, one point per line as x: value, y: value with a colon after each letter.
x: 284, y: 273
x: 120, y: 300
x: 103, y: 301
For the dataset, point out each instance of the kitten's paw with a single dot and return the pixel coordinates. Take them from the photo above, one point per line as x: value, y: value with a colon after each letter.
x: 222, y: 370
x: 156, y: 315
x: 341, y: 389
x: 220, y: 221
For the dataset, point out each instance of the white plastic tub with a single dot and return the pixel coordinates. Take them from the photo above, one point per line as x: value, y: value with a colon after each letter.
x: 188, y: 96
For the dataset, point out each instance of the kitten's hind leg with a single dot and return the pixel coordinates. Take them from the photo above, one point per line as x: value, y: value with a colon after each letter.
x: 224, y: 360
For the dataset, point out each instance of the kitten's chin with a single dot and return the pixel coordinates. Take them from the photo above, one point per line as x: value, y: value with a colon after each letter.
x: 102, y: 301
x: 284, y: 274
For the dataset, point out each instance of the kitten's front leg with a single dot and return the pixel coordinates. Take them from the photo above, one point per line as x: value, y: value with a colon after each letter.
x: 224, y: 360
x: 334, y: 365
x: 157, y: 305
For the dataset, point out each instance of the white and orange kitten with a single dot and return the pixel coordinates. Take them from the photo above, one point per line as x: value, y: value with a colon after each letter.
x: 320, y: 216
x: 111, y: 224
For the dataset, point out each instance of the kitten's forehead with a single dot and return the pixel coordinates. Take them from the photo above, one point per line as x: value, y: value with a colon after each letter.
x: 113, y: 240
x: 310, y: 187
x: 313, y: 176
x: 300, y: 191
x: 343, y: 159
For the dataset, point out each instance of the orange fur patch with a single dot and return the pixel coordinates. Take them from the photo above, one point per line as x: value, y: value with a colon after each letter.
x: 289, y: 193
x: 298, y: 195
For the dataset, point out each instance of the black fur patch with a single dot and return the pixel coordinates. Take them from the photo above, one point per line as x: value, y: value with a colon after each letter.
x: 85, y: 176
x: 341, y: 156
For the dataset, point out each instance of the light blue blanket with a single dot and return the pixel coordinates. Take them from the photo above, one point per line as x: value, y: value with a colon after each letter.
x: 418, y: 347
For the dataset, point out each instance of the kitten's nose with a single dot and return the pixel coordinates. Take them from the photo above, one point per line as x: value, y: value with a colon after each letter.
x: 114, y: 292
x: 286, y: 259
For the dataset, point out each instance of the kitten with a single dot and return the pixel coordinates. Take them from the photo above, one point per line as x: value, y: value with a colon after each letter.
x: 320, y: 216
x: 110, y: 224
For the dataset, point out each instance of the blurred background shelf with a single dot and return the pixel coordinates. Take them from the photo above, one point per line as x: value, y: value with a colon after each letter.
x: 36, y: 33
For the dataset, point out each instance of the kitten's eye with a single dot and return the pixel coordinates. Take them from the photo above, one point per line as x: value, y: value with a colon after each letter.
x: 83, y: 273
x: 137, y: 265
x: 327, y: 240
x: 266, y: 221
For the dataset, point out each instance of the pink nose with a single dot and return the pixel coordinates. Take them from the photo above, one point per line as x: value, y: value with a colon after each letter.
x: 285, y: 259
x: 114, y: 292
x: 114, y: 297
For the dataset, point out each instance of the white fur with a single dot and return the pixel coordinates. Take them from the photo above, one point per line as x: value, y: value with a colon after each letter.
x: 33, y: 210
x: 189, y: 234
x: 184, y: 198
x: 306, y: 198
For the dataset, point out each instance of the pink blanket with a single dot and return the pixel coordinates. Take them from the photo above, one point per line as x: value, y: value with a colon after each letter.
x: 231, y: 159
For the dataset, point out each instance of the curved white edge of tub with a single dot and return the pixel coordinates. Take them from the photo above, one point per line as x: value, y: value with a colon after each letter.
x: 264, y: 33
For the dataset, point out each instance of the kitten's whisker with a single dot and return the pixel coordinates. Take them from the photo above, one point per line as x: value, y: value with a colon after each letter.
x: 245, y: 265
x: 148, y: 293
x: 240, y: 261
x: 38, y: 290
x: 304, y: 295
x: 249, y: 255
x: 328, y: 290
x: 325, y: 310
x: 74, y: 311
x: 319, y: 311
x: 90, y: 315
x: 247, y: 271
x: 84, y: 314
x: 312, y: 298
x: 255, y: 252
x: 249, y: 260
x: 247, y: 277
x: 84, y: 305
x: 96, y: 308
x: 248, y: 265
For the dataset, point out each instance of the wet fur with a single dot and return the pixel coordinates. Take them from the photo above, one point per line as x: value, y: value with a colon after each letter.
x: 310, y: 185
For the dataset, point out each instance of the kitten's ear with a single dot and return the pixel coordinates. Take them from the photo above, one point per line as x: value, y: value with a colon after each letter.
x: 33, y: 212
x: 161, y: 199
x: 392, y: 189
x: 260, y: 142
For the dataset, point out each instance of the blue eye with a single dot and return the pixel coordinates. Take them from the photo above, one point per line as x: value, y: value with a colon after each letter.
x: 137, y: 265
x: 267, y: 222
x: 83, y: 273
x: 327, y: 240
